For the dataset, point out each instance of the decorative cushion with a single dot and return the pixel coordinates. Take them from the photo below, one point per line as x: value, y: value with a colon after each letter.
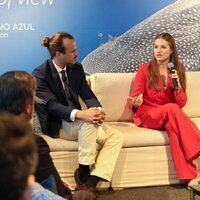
x: 36, y: 124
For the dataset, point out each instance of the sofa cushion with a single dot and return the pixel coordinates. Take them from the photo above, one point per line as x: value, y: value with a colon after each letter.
x: 196, y: 120
x: 139, y: 137
x: 133, y: 137
x: 36, y: 124
x: 192, y: 107
x: 58, y: 144
x: 112, y: 90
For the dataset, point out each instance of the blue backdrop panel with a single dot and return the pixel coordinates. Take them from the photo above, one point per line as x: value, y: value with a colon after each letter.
x: 23, y: 24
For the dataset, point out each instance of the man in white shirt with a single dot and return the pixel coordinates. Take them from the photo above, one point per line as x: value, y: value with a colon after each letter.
x: 60, y: 81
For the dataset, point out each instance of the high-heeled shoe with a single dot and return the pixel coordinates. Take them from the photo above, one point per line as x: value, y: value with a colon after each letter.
x: 192, y: 182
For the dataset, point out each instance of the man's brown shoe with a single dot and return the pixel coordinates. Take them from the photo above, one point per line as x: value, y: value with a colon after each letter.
x: 84, y: 189
x: 83, y: 195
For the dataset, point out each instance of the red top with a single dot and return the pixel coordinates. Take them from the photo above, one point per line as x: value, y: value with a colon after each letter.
x: 153, y: 98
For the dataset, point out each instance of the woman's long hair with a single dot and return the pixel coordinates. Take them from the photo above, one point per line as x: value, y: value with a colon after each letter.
x: 153, y: 68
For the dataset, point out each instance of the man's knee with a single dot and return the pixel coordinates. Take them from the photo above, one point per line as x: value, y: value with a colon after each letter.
x: 117, y: 137
x: 88, y: 127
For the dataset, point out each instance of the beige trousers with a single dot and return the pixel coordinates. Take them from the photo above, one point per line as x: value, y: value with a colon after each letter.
x: 90, y: 137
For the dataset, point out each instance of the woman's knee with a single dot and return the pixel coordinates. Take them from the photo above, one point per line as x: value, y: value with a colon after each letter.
x: 172, y: 107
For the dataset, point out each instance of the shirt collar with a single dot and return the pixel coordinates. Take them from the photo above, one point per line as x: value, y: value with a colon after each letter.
x: 58, y: 69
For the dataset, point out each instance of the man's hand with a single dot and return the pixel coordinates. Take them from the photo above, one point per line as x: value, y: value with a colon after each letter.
x: 103, y: 116
x: 94, y: 115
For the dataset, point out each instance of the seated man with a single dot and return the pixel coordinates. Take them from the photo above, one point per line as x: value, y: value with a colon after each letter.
x: 17, y: 91
x: 18, y: 161
x: 60, y: 80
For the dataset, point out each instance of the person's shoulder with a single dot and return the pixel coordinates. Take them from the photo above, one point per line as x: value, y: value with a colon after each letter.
x: 76, y: 67
x: 144, y: 67
x: 43, y: 68
x: 45, y: 64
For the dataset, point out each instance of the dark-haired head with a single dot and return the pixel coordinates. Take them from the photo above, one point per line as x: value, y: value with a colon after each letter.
x: 18, y: 156
x: 17, y: 89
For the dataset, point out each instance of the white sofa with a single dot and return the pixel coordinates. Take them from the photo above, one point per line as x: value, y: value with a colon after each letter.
x: 145, y: 158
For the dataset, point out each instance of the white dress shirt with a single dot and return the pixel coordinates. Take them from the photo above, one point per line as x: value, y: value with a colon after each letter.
x: 59, y: 70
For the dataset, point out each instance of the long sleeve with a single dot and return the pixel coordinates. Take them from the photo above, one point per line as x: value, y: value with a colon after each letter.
x: 139, y: 85
x: 180, y: 97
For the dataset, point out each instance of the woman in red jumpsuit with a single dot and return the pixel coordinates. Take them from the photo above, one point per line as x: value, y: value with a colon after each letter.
x: 157, y: 101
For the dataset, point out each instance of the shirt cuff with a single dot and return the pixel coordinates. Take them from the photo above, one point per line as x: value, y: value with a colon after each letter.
x: 73, y: 115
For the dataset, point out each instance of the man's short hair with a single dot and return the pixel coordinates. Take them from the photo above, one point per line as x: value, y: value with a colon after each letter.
x: 17, y: 89
x: 18, y: 156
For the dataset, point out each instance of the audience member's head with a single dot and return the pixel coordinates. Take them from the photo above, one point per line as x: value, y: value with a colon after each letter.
x: 17, y: 89
x: 18, y: 157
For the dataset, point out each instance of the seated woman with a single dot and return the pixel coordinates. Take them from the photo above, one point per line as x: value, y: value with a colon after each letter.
x: 158, y: 95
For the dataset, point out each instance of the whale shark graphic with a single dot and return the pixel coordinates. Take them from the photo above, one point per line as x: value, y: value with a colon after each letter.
x: 126, y: 52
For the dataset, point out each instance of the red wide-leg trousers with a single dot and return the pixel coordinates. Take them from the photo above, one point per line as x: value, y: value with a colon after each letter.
x: 184, y: 137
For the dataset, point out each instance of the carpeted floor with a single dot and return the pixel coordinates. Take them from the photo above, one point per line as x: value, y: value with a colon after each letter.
x: 174, y: 192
